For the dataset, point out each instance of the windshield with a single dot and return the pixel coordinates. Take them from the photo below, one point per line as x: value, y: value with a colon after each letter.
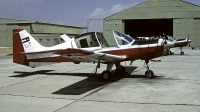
x: 122, y: 39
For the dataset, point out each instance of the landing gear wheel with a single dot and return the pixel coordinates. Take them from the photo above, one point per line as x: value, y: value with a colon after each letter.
x: 166, y: 53
x: 170, y: 52
x: 182, y: 53
x: 106, y: 75
x: 149, y: 74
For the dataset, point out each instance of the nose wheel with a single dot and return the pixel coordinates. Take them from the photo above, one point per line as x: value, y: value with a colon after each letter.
x: 149, y: 73
x: 182, y: 53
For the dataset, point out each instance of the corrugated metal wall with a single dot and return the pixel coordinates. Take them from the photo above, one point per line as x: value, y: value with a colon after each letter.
x: 49, y: 39
x: 185, y: 17
x: 6, y: 31
x: 111, y: 25
x: 40, y: 31
x: 183, y: 28
x: 3, y: 36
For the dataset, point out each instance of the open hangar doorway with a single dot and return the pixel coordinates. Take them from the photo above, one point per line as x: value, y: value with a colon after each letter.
x: 148, y: 27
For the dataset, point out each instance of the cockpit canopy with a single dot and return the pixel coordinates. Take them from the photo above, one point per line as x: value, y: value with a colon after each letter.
x: 171, y: 38
x: 95, y: 40
x: 91, y: 39
x: 122, y: 39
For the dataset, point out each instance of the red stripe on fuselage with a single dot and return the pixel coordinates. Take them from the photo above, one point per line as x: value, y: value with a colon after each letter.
x: 146, y: 53
x: 180, y: 44
x: 53, y: 59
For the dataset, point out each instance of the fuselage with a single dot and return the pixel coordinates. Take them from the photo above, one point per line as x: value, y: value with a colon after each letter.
x: 181, y: 42
x: 88, y: 47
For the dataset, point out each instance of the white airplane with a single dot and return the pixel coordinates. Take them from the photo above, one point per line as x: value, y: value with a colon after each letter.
x: 170, y: 42
x: 167, y: 45
x: 178, y: 43
x: 88, y: 47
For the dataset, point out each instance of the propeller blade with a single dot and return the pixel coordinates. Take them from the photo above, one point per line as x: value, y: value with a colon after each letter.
x: 188, y: 39
x: 165, y: 41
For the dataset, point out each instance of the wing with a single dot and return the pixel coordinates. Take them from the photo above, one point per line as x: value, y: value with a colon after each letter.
x: 89, y: 56
x: 79, y: 55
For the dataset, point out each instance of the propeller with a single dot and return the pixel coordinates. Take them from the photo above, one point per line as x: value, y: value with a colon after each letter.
x: 165, y: 38
x: 188, y: 40
x: 164, y: 41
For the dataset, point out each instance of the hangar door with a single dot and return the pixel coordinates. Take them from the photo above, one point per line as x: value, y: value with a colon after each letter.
x: 148, y: 27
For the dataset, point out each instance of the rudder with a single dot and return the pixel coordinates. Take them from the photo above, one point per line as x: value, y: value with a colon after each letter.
x: 17, y: 48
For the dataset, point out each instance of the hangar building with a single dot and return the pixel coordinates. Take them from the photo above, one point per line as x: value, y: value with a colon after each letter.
x: 46, y: 34
x: 155, y: 17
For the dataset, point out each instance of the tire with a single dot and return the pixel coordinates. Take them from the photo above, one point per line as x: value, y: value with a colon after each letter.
x: 149, y: 74
x: 106, y: 75
x: 171, y: 53
x: 166, y: 53
x: 182, y: 53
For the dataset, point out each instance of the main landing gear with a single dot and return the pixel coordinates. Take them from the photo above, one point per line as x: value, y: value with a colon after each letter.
x: 168, y: 52
x: 149, y: 73
x: 108, y: 75
x: 120, y: 70
x: 182, y: 53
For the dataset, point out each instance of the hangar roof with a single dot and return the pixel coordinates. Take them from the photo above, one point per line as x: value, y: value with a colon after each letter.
x: 13, y: 21
x: 152, y: 9
x: 41, y: 27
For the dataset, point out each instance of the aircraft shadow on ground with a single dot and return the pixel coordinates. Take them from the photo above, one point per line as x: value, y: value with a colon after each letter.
x: 89, y: 84
x: 92, y: 81
x: 26, y: 74
x: 176, y: 54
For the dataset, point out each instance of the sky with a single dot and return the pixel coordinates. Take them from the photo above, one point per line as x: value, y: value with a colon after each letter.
x: 67, y: 12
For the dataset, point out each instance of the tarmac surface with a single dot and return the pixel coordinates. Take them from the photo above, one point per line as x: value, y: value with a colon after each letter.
x: 67, y: 87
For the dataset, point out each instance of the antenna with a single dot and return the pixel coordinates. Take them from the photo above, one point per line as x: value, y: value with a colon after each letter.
x: 90, y: 20
x: 33, y: 12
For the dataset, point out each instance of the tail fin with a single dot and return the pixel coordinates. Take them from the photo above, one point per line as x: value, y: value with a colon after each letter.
x: 23, y: 42
x: 28, y: 42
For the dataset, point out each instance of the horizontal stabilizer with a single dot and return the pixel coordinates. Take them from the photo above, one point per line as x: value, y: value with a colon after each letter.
x: 34, y: 52
x: 65, y: 37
